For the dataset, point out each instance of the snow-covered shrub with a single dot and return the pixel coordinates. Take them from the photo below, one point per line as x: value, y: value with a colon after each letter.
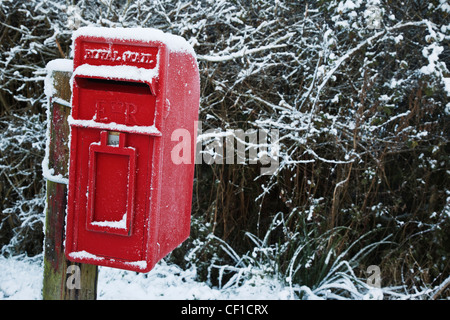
x: 358, y: 91
x: 21, y: 219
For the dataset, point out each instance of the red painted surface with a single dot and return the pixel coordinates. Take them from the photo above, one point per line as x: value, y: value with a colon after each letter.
x: 129, y: 205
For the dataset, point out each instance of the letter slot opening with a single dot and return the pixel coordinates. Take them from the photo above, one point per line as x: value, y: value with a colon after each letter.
x: 112, y: 101
x: 114, y: 85
x: 113, y: 138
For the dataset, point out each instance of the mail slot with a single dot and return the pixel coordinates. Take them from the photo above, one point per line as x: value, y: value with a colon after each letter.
x: 129, y: 204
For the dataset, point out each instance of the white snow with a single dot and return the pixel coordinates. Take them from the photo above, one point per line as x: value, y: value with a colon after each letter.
x: 117, y: 72
x: 347, y: 6
x: 374, y: 294
x: 84, y: 255
x: 174, y: 43
x: 141, y: 264
x: 444, y: 6
x: 432, y: 56
x: 114, y: 126
x: 121, y: 224
x: 446, y: 84
x: 21, y: 278
x: 435, y: 66
x: 64, y: 65
x: 447, y: 106
x: 241, y: 53
x: 49, y: 174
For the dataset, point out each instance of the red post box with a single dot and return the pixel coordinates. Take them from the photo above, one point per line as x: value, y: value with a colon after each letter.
x: 129, y: 204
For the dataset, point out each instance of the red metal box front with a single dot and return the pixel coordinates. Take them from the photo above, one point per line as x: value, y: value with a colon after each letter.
x: 119, y: 143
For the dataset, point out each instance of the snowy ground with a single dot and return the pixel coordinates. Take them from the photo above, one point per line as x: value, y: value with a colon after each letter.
x: 22, y: 279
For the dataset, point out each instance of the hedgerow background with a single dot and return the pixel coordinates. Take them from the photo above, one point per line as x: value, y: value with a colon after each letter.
x: 359, y: 92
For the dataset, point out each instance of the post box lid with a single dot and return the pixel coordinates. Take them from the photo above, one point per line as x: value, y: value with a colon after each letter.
x: 174, y: 43
x: 134, y: 55
x: 124, y: 53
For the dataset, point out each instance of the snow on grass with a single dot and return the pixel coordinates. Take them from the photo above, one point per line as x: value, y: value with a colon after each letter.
x: 21, y: 279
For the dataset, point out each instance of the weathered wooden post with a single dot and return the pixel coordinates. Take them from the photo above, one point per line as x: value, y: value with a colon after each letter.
x: 63, y: 280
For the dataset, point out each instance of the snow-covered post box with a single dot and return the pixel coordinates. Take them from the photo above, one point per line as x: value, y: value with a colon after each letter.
x: 129, y: 204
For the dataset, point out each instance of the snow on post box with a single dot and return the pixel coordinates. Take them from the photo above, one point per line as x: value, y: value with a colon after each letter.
x: 129, y: 204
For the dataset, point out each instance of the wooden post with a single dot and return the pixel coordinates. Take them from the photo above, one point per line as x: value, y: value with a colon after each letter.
x: 63, y: 280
